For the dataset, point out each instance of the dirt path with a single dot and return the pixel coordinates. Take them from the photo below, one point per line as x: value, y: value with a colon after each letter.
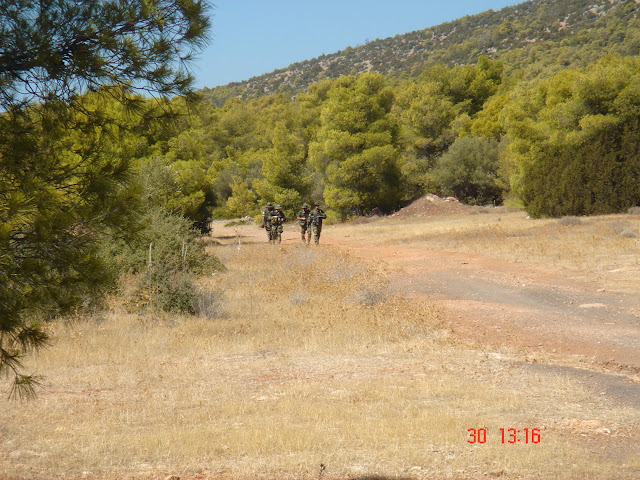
x: 497, y: 302
x: 493, y: 301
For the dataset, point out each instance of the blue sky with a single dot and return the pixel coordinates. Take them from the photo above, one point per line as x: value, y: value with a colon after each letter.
x: 252, y: 37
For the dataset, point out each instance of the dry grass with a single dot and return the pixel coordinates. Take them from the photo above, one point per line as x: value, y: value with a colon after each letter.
x: 606, y: 247
x: 311, y: 362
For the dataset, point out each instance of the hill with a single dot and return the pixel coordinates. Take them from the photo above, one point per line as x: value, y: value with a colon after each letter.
x: 535, y: 37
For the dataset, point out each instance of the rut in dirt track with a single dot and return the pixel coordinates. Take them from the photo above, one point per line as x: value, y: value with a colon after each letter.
x: 500, y: 302
x: 495, y: 302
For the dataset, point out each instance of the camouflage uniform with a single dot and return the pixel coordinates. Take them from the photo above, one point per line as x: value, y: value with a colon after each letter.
x: 266, y: 219
x: 305, y: 226
x: 315, y: 219
x: 277, y: 220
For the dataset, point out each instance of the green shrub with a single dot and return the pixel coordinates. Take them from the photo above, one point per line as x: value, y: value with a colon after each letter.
x: 467, y: 171
x: 166, y: 255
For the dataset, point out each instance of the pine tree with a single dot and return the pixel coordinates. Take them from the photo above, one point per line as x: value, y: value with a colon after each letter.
x: 356, y: 147
x: 69, y: 72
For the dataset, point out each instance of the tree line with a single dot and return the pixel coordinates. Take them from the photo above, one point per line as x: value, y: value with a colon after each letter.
x: 565, y: 144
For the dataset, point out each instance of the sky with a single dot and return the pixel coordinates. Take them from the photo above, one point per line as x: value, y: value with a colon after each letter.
x: 252, y: 37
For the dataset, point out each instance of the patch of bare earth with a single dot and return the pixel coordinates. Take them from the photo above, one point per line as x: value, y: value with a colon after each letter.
x: 492, y: 300
x: 566, y: 321
x: 368, y: 357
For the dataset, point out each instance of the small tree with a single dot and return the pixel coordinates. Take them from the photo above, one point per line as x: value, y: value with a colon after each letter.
x: 356, y: 148
x: 468, y: 171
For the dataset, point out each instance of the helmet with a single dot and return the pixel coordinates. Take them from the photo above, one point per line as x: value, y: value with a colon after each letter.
x: 316, y: 204
x: 305, y: 205
x: 278, y: 207
x: 269, y: 204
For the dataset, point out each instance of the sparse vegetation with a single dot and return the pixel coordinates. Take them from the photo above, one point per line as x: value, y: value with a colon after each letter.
x: 164, y: 259
x: 591, y: 248
x: 293, y: 373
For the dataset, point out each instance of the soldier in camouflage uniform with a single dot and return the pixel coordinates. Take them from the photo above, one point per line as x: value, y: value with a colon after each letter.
x: 315, y: 219
x: 305, y: 226
x: 277, y: 220
x: 266, y: 219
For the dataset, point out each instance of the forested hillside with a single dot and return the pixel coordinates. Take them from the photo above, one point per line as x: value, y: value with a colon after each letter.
x: 481, y: 109
x: 534, y: 38
x: 361, y: 142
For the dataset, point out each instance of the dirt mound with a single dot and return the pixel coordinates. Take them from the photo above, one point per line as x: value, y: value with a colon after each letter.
x: 434, y: 205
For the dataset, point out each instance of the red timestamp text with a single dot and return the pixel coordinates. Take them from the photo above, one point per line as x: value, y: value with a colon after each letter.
x: 507, y: 435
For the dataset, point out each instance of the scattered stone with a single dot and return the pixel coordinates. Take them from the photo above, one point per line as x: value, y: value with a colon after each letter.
x: 634, y: 211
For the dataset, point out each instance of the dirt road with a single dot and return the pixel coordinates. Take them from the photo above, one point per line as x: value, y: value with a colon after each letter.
x: 498, y: 302
x: 495, y: 302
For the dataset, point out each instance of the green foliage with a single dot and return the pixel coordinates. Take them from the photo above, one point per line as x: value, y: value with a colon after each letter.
x: 425, y: 113
x: 85, y: 45
x: 468, y: 171
x: 600, y: 177
x: 63, y: 184
x: 68, y: 72
x: 286, y: 179
x: 573, y: 148
x: 178, y: 186
x: 364, y: 181
x: 165, y: 255
x: 241, y: 203
x: 356, y: 146
x: 467, y: 86
x: 425, y: 116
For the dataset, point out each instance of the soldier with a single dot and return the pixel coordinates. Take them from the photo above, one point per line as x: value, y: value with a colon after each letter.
x: 277, y: 220
x: 315, y: 218
x: 303, y: 220
x: 266, y: 219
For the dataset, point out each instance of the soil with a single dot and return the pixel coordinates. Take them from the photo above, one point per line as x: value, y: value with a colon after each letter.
x: 529, y: 308
x: 565, y: 324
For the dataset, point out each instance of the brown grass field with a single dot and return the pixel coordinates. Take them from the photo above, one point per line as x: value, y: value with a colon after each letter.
x: 312, y: 367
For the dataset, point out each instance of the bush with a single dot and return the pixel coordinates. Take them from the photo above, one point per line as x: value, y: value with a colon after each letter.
x: 166, y: 255
x: 208, y: 303
x: 467, y: 171
x: 177, y: 294
x: 602, y: 176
